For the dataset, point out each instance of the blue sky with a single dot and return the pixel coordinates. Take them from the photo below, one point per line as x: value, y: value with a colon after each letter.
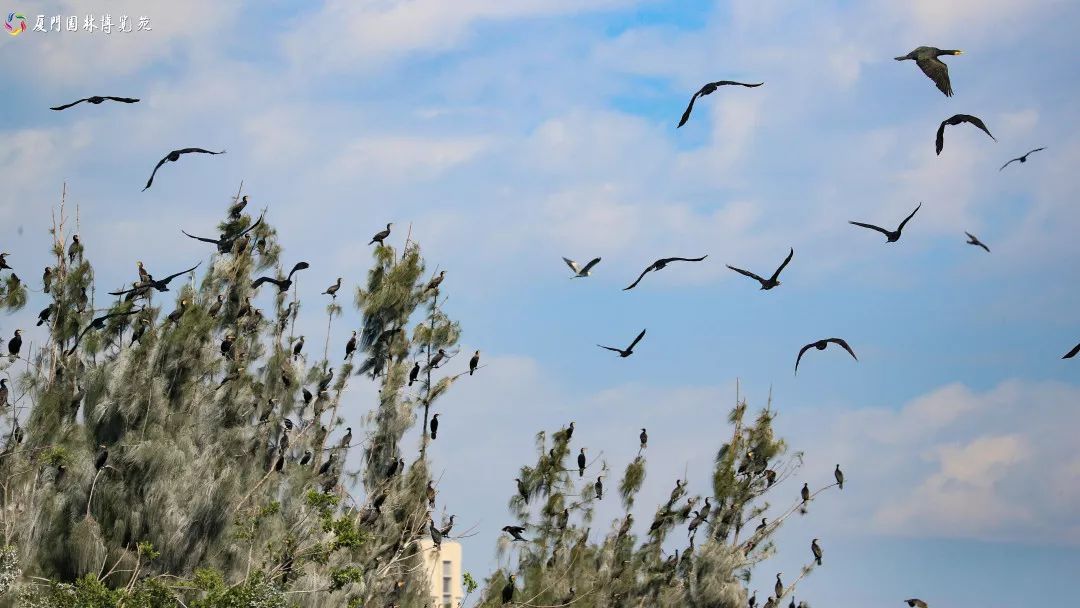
x: 511, y: 134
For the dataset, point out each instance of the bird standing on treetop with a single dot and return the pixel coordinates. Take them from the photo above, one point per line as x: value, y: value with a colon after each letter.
x: 629, y: 349
x: 515, y: 531
x: 805, y: 492
x: 660, y: 265
x: 381, y: 235
x: 144, y: 276
x: 644, y: 437
x: 434, y: 426
x: 437, y: 359
x: 839, y: 475
x: 282, y: 284
x: 236, y: 208
x: 820, y: 345
x: 707, y: 90
x: 173, y: 157
x: 434, y: 283
x: 954, y: 120
x: 579, y: 271
x: 926, y: 57
x: 350, y: 346
x: 474, y: 362
x: 816, y: 550
x: 772, y: 281
x: 333, y: 289
x: 1022, y: 159
x: 96, y: 99
x: 346, y: 439
x: 891, y: 236
x: 75, y: 249
x: 581, y: 463
x: 414, y: 372
x: 43, y: 316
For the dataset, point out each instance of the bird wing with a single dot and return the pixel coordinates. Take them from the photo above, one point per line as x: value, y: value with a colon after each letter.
x: 782, y: 266
x: 799, y: 358
x: 68, y: 105
x: 900, y: 228
x: 135, y: 287
x: 259, y: 281
x: 249, y: 228
x: 1010, y: 162
x: 1033, y: 151
x: 156, y: 167
x: 592, y: 262
x: 666, y: 260
x: 122, y: 99
x: 573, y: 265
x: 721, y: 83
x: 939, y: 142
x: 871, y: 226
x: 641, y: 276
x: 1072, y: 353
x: 199, y: 238
x: 938, y: 72
x: 975, y: 120
x: 166, y: 280
x: 299, y: 266
x: 636, y: 340
x: 689, y: 108
x: 200, y: 150
x: 746, y: 273
x: 616, y: 350
x: 843, y: 344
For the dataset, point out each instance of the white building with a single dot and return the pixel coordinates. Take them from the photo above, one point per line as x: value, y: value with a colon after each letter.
x: 444, y: 570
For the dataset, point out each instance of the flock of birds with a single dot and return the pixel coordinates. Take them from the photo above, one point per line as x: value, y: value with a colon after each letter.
x: 927, y: 59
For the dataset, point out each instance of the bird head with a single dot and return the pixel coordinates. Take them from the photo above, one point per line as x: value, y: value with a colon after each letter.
x: 18, y: 332
x: 814, y: 541
x: 244, y: 199
x: 956, y: 52
x: 389, y: 224
x: 139, y: 264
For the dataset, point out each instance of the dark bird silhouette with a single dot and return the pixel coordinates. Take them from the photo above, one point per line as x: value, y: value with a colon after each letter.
x: 144, y: 276
x: 145, y: 285
x: 175, y: 315
x: 99, y: 323
x: 1072, y: 353
x: 805, y: 492
x: 820, y: 345
x: 414, y: 372
x: 916, y: 603
x: 707, y: 90
x: 474, y: 362
x: 434, y: 283
x: 226, y: 242
x: 434, y: 426
x: 891, y: 236
x: 3, y: 261
x: 333, y: 289
x: 508, y: 590
x: 955, y: 120
x: 570, y: 430
x: 523, y: 491
x: 4, y: 392
x: 282, y: 284
x: 346, y: 439
x: 75, y: 249
x: 515, y: 531
x: 436, y: 534
x: 644, y: 437
x: 599, y: 488
x: 350, y: 346
x: 299, y: 346
x: 173, y: 157
x: 43, y: 316
x: 974, y: 240
x: 381, y: 235
x: 306, y: 458
x: 926, y: 57
x: 839, y: 475
x: 779, y: 586
x: 437, y: 359
x: 581, y: 463
x: 238, y: 207
x: 46, y: 279
x: 96, y: 100
x: 102, y: 457
x: 15, y: 344
x: 215, y: 308
x: 581, y: 272
x: 1022, y: 159
x: 816, y: 550
x: 772, y: 281
x: 629, y: 349
x: 325, y: 468
x: 660, y: 265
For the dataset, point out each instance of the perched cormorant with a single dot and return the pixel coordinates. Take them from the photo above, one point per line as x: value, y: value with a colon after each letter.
x: 839, y: 475
x: 173, y: 157
x: 816, y: 550
x: 280, y: 464
x: 1022, y: 159
x: 414, y: 372
x: 926, y: 57
x: 306, y: 458
x: 381, y: 235
x: 522, y: 490
x: 771, y: 281
x: 508, y: 590
x: 891, y: 236
x: 15, y: 344
x: 46, y: 278
x: 215, y: 308
x: 769, y: 603
x: 515, y: 531
x: 102, y: 456
x: 599, y: 487
x: 346, y: 439
x: 434, y: 425
x: 699, y: 518
x: 770, y: 478
x: 570, y: 430
x: 708, y: 89
x: 434, y: 283
x: 579, y: 271
x: 43, y: 316
x: 3, y: 392
x: 175, y: 315
x: 227, y: 345
x: 96, y: 99
x: 805, y: 492
x: 333, y: 289
x: 326, y: 465
x: 752, y: 600
x: 144, y: 276
x: 581, y: 463
x: 660, y: 265
x: 764, y: 524
x: 820, y: 345
x: 299, y: 346
x: 3, y: 261
x: 779, y: 586
x: 430, y: 496
x: 282, y: 284
x: 151, y: 283
x: 436, y: 534
x: 437, y: 359
x: 75, y: 249
x: 644, y: 437
x: 955, y: 120
x: 474, y: 362
x: 629, y: 349
x: 350, y: 346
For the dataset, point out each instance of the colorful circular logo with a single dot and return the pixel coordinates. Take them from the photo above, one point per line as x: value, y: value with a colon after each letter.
x: 15, y: 24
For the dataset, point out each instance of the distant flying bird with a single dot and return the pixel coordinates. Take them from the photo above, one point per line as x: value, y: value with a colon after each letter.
x: 1072, y: 353
x: 96, y: 100
x: 99, y: 323
x: 282, y: 284
x: 815, y: 548
x: 916, y: 603
x: 708, y: 89
x: 660, y: 265
x: 820, y: 345
x: 974, y: 240
x: 955, y: 120
x: 891, y: 236
x: 1022, y: 159
x: 772, y: 281
x: 926, y: 57
x: 381, y: 235
x: 515, y: 531
x: 629, y: 349
x: 579, y: 271
x: 173, y: 157
x: 158, y: 284
x: 225, y: 243
x: 839, y: 475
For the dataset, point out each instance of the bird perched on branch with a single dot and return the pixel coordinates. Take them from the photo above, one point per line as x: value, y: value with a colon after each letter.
x: 926, y: 57
x: 299, y: 346
x: 475, y: 361
x: 238, y: 207
x: 75, y: 249
x: 820, y: 345
x: 96, y: 99
x: 660, y: 265
x: 581, y: 463
x: 954, y: 120
x: 4, y: 392
x: 414, y: 372
x: 173, y: 157
x: 839, y: 475
x: 434, y: 283
x: 508, y: 590
x: 581, y: 272
x: 1022, y: 159
x: 815, y: 548
x: 644, y: 437
x: 599, y: 488
x: 283, y: 285
x: 350, y: 346
x: 433, y: 425
x: 629, y: 350
x: 708, y: 89
x: 891, y: 236
x: 772, y: 281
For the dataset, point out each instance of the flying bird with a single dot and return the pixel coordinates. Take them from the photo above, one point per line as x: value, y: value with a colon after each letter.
x: 709, y: 89
x: 926, y: 57
x: 660, y: 265
x: 955, y: 120
x: 282, y: 284
x: 173, y: 157
x: 96, y: 100
x: 772, y: 281
x: 99, y: 323
x: 629, y: 349
x: 381, y: 235
x: 1022, y: 159
x: 820, y: 345
x: 581, y: 272
x: 226, y: 242
x: 1072, y: 353
x: 974, y: 240
x: 151, y: 283
x: 891, y: 236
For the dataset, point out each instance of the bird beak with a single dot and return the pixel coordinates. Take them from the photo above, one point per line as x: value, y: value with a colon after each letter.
x: 959, y: 52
